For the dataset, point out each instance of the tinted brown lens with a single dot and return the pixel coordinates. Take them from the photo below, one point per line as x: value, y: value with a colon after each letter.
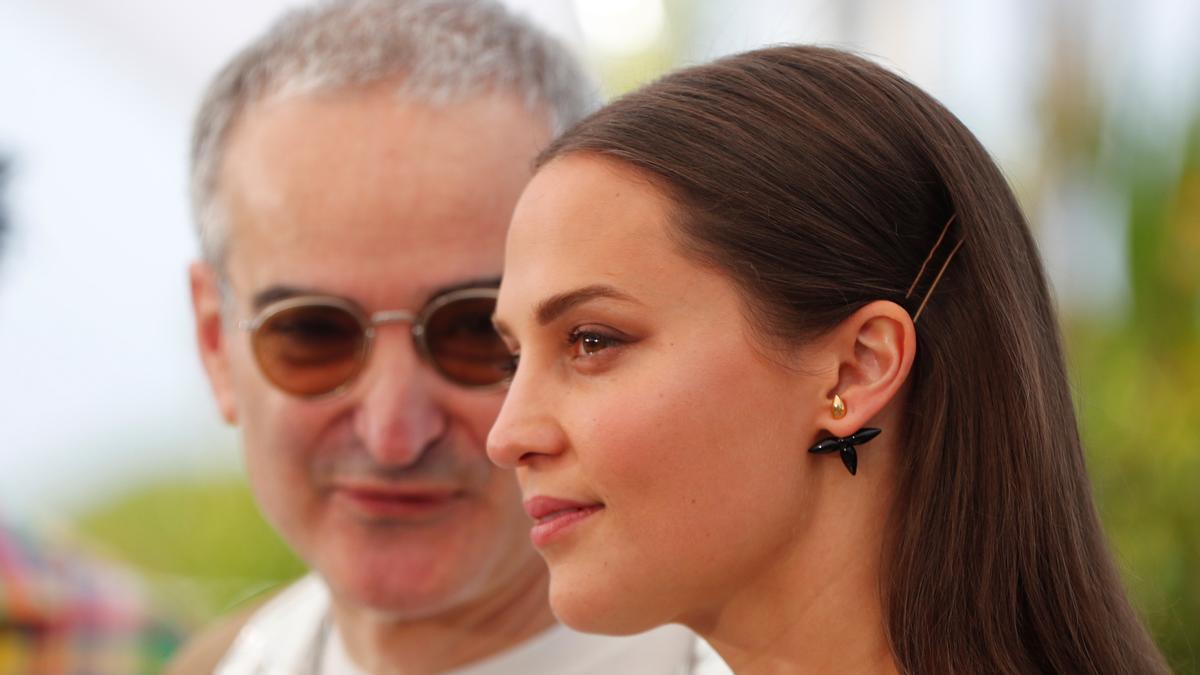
x: 464, y: 346
x: 310, y: 350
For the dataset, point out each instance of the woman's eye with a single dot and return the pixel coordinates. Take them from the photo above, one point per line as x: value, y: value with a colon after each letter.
x: 587, y: 343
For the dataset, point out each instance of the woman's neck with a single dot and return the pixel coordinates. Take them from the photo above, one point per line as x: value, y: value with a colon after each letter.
x: 816, y: 607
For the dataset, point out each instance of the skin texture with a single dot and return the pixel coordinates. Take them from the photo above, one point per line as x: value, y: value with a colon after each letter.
x: 383, y: 202
x: 652, y: 396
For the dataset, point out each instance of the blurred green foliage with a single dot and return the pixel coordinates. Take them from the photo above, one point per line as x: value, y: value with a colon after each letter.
x: 201, y: 544
x: 1138, y: 412
x: 1138, y: 392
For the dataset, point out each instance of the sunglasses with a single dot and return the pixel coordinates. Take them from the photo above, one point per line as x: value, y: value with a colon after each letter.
x: 316, y: 345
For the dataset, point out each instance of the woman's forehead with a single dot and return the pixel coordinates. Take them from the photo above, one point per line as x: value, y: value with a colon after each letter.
x: 586, y: 207
x: 587, y: 222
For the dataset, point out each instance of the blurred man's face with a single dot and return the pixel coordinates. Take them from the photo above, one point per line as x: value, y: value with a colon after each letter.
x: 383, y: 488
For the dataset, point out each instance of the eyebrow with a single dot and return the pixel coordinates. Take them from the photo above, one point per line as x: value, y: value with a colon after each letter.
x: 279, y: 292
x: 556, y: 305
x: 276, y: 293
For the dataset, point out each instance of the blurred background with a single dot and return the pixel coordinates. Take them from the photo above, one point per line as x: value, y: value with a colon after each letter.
x: 1092, y: 108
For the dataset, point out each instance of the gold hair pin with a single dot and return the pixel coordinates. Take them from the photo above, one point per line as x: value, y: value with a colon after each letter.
x: 941, y: 271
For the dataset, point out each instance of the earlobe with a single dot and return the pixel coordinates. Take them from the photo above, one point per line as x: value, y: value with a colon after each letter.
x: 210, y: 337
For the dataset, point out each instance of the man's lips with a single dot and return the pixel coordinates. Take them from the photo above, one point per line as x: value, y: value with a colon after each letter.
x: 555, y: 517
x: 379, y: 500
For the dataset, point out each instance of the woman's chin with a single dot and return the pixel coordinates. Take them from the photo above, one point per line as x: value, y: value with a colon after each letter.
x: 603, y: 609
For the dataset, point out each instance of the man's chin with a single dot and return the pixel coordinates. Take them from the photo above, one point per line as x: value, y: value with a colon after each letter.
x: 394, y: 598
x: 408, y: 582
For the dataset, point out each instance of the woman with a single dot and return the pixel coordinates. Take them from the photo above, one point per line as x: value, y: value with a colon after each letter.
x: 789, y: 374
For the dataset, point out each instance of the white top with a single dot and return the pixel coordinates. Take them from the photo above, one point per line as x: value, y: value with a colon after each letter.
x: 294, y: 635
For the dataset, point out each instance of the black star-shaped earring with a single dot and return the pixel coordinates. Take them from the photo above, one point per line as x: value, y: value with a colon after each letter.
x: 845, y: 446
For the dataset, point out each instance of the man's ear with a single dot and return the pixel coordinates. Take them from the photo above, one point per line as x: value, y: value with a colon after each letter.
x: 210, y: 337
x: 873, y: 351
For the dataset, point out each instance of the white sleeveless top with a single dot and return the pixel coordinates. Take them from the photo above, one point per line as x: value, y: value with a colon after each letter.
x: 293, y: 634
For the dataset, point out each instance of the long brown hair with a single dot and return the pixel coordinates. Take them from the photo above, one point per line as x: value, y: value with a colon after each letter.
x: 819, y: 182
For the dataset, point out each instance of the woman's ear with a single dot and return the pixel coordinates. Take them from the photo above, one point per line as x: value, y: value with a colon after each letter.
x: 873, y: 351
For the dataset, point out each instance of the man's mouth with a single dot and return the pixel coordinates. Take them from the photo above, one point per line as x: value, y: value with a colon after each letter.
x: 395, y: 502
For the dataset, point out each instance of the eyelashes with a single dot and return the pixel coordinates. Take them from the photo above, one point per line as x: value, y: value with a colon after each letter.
x: 587, y: 343
x: 509, y: 367
x: 587, y: 348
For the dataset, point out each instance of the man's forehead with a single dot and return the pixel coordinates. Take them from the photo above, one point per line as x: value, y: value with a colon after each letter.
x: 484, y: 121
x: 381, y: 280
x: 419, y: 256
x: 372, y: 225
x: 402, y: 264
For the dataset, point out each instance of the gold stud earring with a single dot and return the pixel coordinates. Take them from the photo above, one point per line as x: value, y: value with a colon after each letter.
x: 839, y: 407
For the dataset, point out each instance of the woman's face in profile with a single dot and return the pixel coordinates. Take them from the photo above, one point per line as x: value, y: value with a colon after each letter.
x: 659, y: 447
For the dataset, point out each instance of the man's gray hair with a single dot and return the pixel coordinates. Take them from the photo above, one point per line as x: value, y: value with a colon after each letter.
x: 438, y: 51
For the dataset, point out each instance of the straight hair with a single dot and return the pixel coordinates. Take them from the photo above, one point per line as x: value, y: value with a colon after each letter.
x: 818, y: 182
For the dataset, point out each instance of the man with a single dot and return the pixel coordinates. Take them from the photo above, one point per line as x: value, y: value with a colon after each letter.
x: 354, y: 171
x: 62, y: 611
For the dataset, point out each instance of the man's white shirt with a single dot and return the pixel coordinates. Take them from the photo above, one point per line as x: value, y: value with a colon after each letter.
x: 293, y: 634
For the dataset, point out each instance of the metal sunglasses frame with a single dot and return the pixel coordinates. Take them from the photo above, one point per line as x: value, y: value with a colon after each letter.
x: 368, y: 323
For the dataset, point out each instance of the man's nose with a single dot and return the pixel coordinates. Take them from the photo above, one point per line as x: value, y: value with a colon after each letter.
x: 526, y: 429
x: 398, y: 416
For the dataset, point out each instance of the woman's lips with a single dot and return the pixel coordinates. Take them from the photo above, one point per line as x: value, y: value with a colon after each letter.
x: 556, y: 517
